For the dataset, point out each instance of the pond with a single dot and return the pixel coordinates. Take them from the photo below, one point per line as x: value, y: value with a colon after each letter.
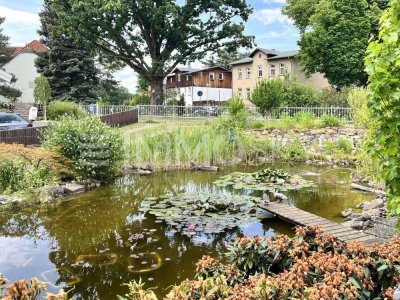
x: 99, y: 240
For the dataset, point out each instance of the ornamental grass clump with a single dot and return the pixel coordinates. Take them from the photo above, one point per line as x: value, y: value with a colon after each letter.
x: 95, y: 149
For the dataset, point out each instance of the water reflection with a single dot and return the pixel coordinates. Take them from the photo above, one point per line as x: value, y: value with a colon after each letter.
x: 97, y: 241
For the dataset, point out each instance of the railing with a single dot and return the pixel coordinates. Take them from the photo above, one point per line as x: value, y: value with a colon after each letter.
x: 148, y: 113
x: 104, y: 110
x: 159, y: 113
x: 343, y: 113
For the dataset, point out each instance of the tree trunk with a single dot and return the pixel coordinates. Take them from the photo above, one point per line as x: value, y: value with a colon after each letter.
x: 157, y: 91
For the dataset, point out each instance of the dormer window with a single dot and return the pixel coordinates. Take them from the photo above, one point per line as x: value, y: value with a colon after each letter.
x: 212, y: 76
x: 187, y: 77
x: 221, y: 76
x: 179, y: 77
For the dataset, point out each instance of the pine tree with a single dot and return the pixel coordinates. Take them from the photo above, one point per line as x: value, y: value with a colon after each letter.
x: 69, y: 67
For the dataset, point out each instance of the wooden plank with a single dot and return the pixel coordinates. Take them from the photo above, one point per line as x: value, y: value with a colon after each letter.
x: 300, y: 217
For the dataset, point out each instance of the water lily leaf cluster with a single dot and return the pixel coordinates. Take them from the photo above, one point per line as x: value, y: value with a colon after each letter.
x: 193, y: 213
x: 271, y: 180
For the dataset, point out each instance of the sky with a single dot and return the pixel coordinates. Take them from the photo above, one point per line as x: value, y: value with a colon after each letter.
x: 271, y: 29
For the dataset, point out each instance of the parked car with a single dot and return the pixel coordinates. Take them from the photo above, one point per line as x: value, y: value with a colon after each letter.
x: 10, y: 121
x: 205, y: 112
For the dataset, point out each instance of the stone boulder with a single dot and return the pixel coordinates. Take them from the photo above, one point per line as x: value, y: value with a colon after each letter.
x: 347, y: 213
x: 74, y: 188
x: 375, y: 204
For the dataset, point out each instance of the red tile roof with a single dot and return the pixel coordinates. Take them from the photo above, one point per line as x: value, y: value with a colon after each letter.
x: 35, y: 46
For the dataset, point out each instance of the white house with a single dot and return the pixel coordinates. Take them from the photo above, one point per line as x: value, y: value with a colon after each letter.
x: 22, y: 66
x: 211, y: 86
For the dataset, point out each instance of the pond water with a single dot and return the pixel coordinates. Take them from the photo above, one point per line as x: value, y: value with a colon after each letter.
x: 86, y: 244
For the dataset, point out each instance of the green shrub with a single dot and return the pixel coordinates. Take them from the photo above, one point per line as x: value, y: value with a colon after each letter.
x: 330, y: 121
x: 305, y: 119
x: 238, y: 115
x: 331, y: 97
x: 358, y: 102
x: 268, y: 94
x: 95, y: 149
x: 257, y: 125
x: 294, y: 151
x: 235, y: 106
x: 299, y: 95
x: 60, y: 109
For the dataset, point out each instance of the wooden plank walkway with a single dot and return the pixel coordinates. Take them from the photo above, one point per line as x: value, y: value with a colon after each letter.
x: 300, y: 217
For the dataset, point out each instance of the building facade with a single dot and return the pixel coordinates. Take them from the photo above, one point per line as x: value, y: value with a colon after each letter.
x: 211, y: 86
x: 22, y: 66
x: 265, y: 64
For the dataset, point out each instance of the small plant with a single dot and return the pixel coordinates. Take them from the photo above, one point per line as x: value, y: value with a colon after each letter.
x: 95, y: 149
x: 23, y: 290
x: 60, y: 109
x: 305, y: 119
x: 257, y: 125
x: 137, y: 292
x: 294, y: 151
x: 330, y: 121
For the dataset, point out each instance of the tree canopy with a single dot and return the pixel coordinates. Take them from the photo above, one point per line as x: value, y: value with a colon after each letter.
x: 334, y: 36
x: 224, y: 58
x: 383, y: 67
x: 68, y: 65
x: 6, y: 90
x: 153, y: 37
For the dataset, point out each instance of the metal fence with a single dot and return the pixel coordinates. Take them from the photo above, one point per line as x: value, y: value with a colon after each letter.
x: 104, y: 110
x: 160, y: 113
x: 149, y: 113
x: 343, y: 113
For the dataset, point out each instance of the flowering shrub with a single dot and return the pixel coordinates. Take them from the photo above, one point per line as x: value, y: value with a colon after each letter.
x: 22, y: 167
x: 308, y: 266
x: 94, y: 148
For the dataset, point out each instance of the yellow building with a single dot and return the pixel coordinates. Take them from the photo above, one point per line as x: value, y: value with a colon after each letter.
x: 266, y: 64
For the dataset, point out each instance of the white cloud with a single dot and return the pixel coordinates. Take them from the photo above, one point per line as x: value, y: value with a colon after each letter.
x: 18, y: 16
x: 271, y: 16
x: 128, y: 78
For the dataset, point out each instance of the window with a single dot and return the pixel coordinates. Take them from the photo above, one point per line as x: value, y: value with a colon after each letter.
x: 240, y: 94
x: 240, y: 73
x: 260, y: 71
x: 259, y: 55
x: 179, y: 77
x: 272, y: 70
x: 221, y: 76
x: 248, y: 93
x: 282, y: 69
x: 212, y: 76
x: 187, y: 77
x: 248, y: 72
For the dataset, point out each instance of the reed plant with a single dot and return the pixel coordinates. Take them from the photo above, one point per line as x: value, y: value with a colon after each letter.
x: 207, y: 145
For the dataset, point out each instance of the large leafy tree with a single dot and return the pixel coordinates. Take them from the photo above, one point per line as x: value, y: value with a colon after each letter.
x: 68, y: 64
x: 6, y: 90
x: 224, y: 58
x: 153, y: 37
x: 334, y: 36
x: 383, y: 67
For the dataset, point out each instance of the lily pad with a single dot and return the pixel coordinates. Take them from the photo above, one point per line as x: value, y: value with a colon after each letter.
x: 193, y: 213
x: 271, y: 180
